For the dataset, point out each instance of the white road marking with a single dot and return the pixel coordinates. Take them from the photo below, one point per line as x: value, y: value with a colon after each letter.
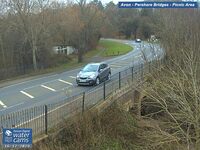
x: 112, y: 65
x: 72, y: 77
x: 124, y: 63
x: 38, y: 85
x: 29, y: 81
x: 124, y: 58
x: 12, y: 106
x: 25, y: 93
x: 28, y: 121
x: 2, y: 104
x: 46, y: 87
x: 138, y: 56
x: 65, y: 81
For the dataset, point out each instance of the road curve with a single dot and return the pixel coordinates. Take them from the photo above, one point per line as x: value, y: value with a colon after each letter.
x: 52, y: 88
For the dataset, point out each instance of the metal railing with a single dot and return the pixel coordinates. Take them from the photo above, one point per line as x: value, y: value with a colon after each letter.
x: 43, y: 118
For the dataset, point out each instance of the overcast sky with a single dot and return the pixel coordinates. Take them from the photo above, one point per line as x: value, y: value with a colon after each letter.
x: 116, y: 1
x: 107, y: 1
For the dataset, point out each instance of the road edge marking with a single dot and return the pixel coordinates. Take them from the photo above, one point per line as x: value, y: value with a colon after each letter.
x: 27, y: 94
x: 73, y: 77
x: 65, y: 81
x: 49, y: 88
x: 115, y: 66
x: 2, y: 104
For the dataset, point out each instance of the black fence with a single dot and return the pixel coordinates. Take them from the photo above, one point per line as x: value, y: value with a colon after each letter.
x: 43, y: 118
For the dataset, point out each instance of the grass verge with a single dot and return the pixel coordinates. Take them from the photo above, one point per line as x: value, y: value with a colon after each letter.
x: 114, y: 48
x: 113, y: 129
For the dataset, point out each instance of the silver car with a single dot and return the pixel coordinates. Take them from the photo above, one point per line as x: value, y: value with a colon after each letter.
x: 93, y: 74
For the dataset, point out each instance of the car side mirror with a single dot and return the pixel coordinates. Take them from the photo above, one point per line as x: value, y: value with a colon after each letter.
x: 100, y: 70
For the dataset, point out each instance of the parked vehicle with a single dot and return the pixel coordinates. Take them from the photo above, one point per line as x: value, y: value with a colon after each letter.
x: 138, y: 41
x: 93, y: 74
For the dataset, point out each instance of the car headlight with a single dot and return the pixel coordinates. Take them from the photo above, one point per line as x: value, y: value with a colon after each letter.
x: 92, y: 76
x: 78, y: 76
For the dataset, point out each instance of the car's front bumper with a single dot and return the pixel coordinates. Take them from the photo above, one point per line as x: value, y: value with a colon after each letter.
x: 85, y: 81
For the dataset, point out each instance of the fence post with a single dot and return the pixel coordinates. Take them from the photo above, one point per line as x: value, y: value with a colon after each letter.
x: 45, y: 114
x: 132, y: 73
x: 119, y: 80
x: 104, y: 90
x: 149, y: 66
x: 83, y: 104
x: 142, y: 71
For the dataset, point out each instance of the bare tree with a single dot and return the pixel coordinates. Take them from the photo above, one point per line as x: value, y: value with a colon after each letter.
x: 90, y: 18
x: 31, y: 19
x: 174, y: 91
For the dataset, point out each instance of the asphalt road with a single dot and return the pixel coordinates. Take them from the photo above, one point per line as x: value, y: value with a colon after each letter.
x: 57, y: 87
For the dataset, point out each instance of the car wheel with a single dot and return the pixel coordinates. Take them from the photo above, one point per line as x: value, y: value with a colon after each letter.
x: 109, y: 76
x: 97, y: 81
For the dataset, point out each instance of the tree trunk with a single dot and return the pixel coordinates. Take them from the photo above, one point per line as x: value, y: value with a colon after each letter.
x: 3, y: 54
x: 135, y: 34
x: 34, y: 57
x: 80, y: 55
x: 82, y: 43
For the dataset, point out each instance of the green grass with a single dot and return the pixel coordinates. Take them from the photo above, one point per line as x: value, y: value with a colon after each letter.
x: 110, y: 49
x: 114, y: 48
x: 93, y: 52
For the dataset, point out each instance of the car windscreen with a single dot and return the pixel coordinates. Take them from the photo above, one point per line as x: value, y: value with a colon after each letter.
x: 90, y: 68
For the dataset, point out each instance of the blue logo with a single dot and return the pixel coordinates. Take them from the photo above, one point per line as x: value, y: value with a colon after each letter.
x: 17, y: 138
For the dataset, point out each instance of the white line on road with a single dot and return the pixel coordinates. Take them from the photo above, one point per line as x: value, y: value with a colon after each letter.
x: 37, y: 117
x: 65, y: 81
x: 124, y: 58
x: 124, y: 63
x: 21, y: 124
x: 112, y: 65
x: 138, y: 56
x: 2, y: 104
x: 46, y: 87
x: 29, y: 81
x: 12, y: 106
x: 72, y: 77
x: 25, y: 93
